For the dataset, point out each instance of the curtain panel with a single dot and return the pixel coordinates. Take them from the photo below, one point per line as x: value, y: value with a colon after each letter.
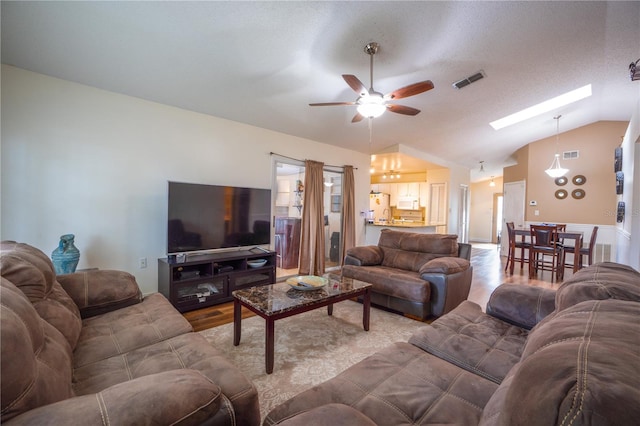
x: 312, y: 240
x: 348, y: 212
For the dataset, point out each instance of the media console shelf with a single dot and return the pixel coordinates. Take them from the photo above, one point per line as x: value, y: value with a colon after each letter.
x: 209, y: 279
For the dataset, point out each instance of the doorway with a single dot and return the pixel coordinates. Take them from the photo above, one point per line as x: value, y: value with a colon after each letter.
x: 513, y: 209
x: 496, y: 219
x: 287, y: 207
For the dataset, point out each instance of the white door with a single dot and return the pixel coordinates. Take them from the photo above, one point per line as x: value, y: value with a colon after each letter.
x: 513, y: 204
x: 463, y: 217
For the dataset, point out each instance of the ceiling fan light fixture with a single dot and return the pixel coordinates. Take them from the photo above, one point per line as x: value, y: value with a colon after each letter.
x: 371, y: 106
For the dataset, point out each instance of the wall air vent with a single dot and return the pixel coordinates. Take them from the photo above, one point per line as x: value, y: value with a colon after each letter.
x: 570, y: 155
x: 471, y: 79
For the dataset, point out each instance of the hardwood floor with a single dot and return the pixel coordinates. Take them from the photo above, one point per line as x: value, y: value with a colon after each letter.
x: 488, y: 273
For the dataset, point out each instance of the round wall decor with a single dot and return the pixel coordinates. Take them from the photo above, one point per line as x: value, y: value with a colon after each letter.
x: 561, y: 181
x: 579, y: 179
x: 561, y: 194
x: 578, y: 194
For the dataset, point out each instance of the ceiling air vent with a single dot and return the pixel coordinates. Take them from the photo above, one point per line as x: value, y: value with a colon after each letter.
x: 467, y: 81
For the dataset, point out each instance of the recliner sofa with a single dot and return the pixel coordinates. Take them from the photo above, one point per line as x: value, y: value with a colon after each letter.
x: 536, y: 357
x: 418, y: 274
x: 87, y: 348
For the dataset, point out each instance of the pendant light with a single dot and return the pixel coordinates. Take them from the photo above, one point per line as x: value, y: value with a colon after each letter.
x: 555, y: 170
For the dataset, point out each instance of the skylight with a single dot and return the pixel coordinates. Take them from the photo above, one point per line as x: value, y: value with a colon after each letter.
x: 541, y: 108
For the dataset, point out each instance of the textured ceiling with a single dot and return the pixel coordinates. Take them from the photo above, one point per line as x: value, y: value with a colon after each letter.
x: 262, y: 63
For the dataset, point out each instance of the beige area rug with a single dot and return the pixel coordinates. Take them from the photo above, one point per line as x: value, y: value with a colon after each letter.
x: 309, y: 348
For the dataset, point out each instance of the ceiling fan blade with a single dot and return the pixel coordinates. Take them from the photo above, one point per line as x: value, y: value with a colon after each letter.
x: 410, y: 90
x: 332, y: 103
x: 357, y: 117
x: 401, y: 109
x: 355, y: 84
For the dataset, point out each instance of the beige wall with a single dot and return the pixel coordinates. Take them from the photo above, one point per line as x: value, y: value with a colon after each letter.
x: 596, y: 143
x: 482, y: 210
x: 518, y: 171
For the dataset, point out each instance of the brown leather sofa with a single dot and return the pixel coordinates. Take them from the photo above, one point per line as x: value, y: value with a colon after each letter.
x: 537, y: 357
x: 87, y: 348
x: 418, y: 274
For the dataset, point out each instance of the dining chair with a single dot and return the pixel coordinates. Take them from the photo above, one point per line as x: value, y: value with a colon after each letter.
x: 584, y: 251
x: 544, y: 245
x: 514, y: 245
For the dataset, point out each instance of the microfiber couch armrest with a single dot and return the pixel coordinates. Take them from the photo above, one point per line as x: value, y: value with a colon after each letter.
x: 524, y: 306
x: 99, y: 291
x: 178, y: 396
x: 364, y: 256
x: 450, y: 279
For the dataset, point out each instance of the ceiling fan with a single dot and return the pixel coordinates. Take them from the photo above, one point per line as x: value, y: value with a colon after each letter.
x: 373, y: 104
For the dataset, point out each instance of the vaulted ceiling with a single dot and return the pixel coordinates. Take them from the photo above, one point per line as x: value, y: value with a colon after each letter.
x: 262, y: 63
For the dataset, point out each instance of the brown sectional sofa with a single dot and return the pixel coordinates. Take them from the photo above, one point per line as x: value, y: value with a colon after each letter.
x: 419, y: 274
x: 87, y: 348
x: 537, y: 357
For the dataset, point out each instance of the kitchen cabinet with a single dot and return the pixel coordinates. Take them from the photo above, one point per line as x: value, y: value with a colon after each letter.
x: 424, y: 194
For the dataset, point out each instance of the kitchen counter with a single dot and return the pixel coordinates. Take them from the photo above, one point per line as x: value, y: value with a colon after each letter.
x: 372, y: 230
x: 399, y: 224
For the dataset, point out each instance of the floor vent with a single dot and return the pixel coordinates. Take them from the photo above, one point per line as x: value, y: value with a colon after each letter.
x: 602, y: 253
x: 467, y: 81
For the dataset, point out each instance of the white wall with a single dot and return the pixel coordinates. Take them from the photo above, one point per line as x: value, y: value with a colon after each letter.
x: 80, y: 160
x: 628, y: 232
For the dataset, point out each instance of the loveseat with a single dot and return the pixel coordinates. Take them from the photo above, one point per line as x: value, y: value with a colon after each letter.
x: 536, y: 357
x: 418, y: 274
x: 87, y: 348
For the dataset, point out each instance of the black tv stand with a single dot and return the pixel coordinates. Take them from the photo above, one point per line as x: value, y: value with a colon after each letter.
x: 208, y: 279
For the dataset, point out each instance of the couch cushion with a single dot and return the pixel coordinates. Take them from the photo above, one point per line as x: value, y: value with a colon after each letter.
x: 606, y: 280
x: 473, y: 340
x: 329, y: 415
x: 445, y: 265
x: 394, y: 282
x: 409, y: 250
x: 399, y: 385
x: 36, y: 358
x: 191, y: 351
x: 581, y: 366
x: 32, y: 272
x: 126, y: 329
x: 99, y: 291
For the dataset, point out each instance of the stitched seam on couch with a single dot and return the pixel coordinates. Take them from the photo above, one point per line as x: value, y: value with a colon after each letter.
x: 403, y: 368
x: 114, y: 339
x: 367, y: 392
x: 448, y: 393
x: 464, y: 365
x: 225, y: 402
x: 582, y: 368
x: 103, y: 409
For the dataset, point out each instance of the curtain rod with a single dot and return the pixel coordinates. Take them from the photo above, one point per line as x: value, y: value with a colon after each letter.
x: 295, y: 159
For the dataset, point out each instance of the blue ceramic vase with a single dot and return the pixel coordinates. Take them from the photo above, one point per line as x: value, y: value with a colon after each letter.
x: 65, y: 258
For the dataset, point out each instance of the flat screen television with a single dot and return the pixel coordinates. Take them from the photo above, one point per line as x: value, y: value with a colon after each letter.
x: 209, y: 217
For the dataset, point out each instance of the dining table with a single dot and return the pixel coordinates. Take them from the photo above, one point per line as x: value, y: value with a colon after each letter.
x: 576, y: 236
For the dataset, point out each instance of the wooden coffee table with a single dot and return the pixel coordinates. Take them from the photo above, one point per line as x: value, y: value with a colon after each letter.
x: 275, y: 301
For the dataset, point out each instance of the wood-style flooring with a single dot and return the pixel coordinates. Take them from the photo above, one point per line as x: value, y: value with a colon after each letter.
x: 488, y: 273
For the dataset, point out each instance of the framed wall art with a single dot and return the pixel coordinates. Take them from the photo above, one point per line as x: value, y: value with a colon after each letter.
x: 619, y: 182
x: 617, y: 160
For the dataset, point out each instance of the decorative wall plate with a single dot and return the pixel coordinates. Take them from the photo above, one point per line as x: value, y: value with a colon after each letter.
x: 578, y: 194
x: 579, y: 179
x: 561, y: 194
x: 561, y: 181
